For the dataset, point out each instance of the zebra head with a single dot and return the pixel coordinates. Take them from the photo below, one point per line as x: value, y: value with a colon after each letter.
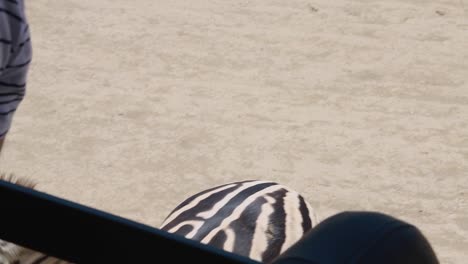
x: 257, y: 219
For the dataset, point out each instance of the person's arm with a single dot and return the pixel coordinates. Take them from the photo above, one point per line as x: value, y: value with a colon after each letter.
x: 1, y: 144
x: 15, y: 56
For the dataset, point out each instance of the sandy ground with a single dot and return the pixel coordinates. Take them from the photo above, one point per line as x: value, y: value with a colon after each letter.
x: 134, y: 105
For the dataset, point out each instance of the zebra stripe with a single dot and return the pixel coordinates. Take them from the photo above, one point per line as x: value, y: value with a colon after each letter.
x: 260, y: 235
x: 293, y: 216
x: 195, y: 202
x: 237, y: 213
x: 257, y: 219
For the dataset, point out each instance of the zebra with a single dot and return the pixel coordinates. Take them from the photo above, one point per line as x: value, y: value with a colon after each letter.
x: 13, y: 254
x: 256, y: 219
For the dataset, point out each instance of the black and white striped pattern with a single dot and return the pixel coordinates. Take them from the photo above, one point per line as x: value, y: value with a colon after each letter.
x: 15, y: 56
x: 257, y: 219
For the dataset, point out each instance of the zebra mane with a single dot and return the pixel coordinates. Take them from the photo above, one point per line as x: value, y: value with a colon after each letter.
x: 22, y: 181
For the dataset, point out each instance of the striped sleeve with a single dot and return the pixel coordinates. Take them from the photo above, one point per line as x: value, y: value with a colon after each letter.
x: 15, y: 57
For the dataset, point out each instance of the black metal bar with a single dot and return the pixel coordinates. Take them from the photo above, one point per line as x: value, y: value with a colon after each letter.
x: 81, y: 234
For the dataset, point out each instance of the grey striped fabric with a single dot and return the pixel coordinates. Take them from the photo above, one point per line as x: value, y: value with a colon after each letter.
x: 15, y: 56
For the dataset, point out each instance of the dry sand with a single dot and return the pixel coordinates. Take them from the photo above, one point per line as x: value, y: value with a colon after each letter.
x: 134, y: 105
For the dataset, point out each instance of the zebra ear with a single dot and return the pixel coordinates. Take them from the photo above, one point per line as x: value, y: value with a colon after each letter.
x: 22, y: 181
